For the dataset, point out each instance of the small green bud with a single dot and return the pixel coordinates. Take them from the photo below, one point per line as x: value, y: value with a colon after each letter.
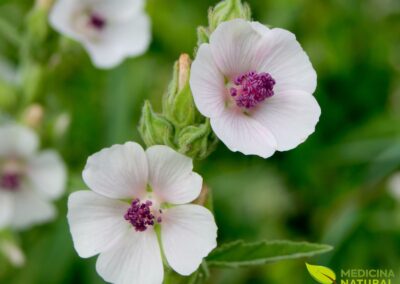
x: 228, y: 10
x: 154, y: 128
x: 32, y: 77
x: 178, y: 104
x: 197, y: 141
x: 203, y: 35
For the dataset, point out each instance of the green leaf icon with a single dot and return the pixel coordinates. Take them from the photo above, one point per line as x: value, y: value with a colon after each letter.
x: 321, y: 274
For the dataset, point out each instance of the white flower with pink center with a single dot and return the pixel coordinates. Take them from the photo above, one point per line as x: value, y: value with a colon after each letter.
x: 110, y: 30
x: 137, y: 197
x: 255, y: 84
x: 29, y: 180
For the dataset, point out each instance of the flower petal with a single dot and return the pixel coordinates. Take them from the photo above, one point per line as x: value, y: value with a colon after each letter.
x: 290, y: 116
x: 117, y: 10
x: 171, y: 176
x: 287, y: 62
x: 188, y: 234
x: 207, y: 83
x: 61, y: 17
x: 97, y: 223
x: 118, y: 172
x: 240, y: 132
x: 137, y: 259
x: 16, y: 140
x: 119, y: 40
x: 237, y: 47
x: 48, y: 174
x: 30, y: 209
x: 6, y: 208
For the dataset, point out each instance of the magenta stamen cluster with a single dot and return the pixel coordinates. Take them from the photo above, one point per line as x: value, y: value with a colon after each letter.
x: 97, y: 21
x: 252, y: 88
x: 10, y: 181
x: 140, y: 215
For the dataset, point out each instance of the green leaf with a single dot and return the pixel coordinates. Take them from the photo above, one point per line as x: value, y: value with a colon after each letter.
x: 239, y: 253
x: 321, y: 274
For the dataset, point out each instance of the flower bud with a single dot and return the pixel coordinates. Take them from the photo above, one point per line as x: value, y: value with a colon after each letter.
x: 178, y: 105
x: 228, y: 10
x: 203, y: 35
x: 197, y: 141
x: 8, y: 95
x: 32, y: 77
x: 154, y: 128
x: 33, y: 115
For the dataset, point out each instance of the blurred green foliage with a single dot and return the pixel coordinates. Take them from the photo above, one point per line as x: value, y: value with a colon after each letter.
x: 331, y: 189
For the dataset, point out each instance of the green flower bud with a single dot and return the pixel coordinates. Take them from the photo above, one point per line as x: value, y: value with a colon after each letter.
x: 228, y: 10
x: 203, y: 35
x: 32, y: 77
x: 197, y: 141
x: 178, y: 104
x: 154, y: 128
x: 8, y: 95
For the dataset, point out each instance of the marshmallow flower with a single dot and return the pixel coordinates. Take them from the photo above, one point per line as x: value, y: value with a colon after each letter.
x: 29, y: 181
x: 255, y: 84
x: 136, y: 198
x: 110, y: 30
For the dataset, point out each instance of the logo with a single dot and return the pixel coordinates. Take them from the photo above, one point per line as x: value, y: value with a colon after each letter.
x: 325, y: 275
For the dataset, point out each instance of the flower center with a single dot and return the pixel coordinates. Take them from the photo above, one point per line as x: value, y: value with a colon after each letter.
x: 97, y: 22
x: 141, y: 216
x: 252, y: 88
x: 10, y: 181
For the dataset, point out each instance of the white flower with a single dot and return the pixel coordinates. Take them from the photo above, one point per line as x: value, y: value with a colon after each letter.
x: 255, y: 84
x: 28, y: 180
x: 110, y: 30
x: 134, y: 192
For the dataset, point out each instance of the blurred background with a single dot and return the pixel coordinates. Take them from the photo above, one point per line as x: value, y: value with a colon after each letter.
x: 335, y: 188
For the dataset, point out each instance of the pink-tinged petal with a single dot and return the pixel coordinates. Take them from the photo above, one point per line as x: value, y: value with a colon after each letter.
x: 137, y: 259
x: 240, y: 132
x: 119, y: 40
x: 291, y: 117
x: 97, y: 223
x: 118, y: 172
x: 48, y: 174
x: 171, y: 176
x: 30, y: 209
x: 237, y: 47
x: 17, y: 141
x: 287, y: 62
x: 207, y: 83
x: 6, y: 208
x: 188, y: 234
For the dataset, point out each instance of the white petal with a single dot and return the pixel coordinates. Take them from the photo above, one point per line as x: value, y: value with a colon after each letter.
x: 6, y: 208
x: 171, y: 176
x: 30, y: 209
x: 97, y: 223
x: 117, y: 10
x: 48, y: 174
x: 290, y: 116
x: 287, y: 63
x: 240, y: 132
x: 120, y: 40
x: 16, y: 140
x: 136, y: 260
x: 118, y: 172
x: 188, y: 234
x: 207, y: 83
x: 237, y: 47
x: 62, y: 15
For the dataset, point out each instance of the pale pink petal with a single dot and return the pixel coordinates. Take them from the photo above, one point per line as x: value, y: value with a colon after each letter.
x: 287, y: 63
x: 97, y: 223
x: 240, y: 132
x: 17, y: 141
x: 188, y: 234
x: 171, y: 176
x: 118, y: 172
x: 48, y: 174
x: 137, y: 259
x: 237, y: 47
x: 291, y: 117
x: 30, y: 209
x: 207, y: 83
x: 6, y: 208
